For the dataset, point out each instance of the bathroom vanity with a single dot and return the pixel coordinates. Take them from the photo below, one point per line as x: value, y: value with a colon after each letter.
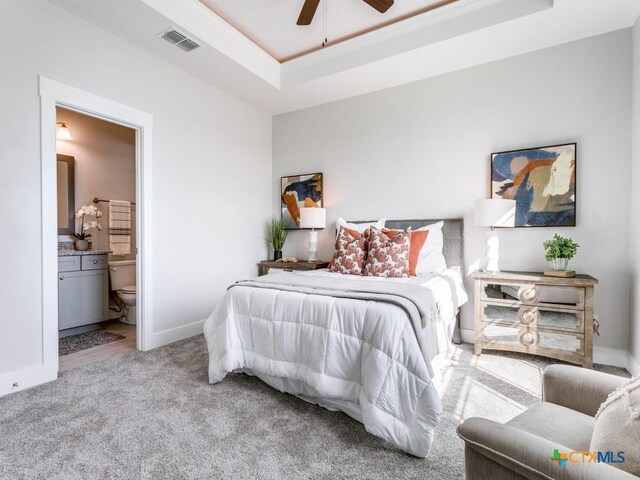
x: 83, y: 289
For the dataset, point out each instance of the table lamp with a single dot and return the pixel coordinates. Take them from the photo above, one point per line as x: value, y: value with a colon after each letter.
x: 494, y: 212
x: 313, y: 218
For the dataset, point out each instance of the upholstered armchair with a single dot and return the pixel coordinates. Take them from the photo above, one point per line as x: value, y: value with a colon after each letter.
x: 563, y: 421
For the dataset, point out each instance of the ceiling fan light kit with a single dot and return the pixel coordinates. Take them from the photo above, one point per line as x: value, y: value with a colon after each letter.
x: 310, y: 6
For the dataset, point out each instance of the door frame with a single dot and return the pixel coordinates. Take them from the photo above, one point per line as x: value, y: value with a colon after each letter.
x: 56, y: 94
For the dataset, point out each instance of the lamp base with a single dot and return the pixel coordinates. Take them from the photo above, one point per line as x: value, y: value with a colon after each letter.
x: 313, y: 246
x: 493, y: 253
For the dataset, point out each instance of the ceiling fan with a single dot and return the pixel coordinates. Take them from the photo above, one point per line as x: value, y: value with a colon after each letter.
x: 310, y: 6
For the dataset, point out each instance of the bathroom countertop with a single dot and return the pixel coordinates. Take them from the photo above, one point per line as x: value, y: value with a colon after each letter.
x: 65, y: 252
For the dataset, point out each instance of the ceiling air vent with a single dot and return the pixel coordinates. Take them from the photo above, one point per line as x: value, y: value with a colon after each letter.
x: 176, y: 38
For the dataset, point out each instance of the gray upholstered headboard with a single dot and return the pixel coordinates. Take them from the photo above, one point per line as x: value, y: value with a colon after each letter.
x: 453, y: 233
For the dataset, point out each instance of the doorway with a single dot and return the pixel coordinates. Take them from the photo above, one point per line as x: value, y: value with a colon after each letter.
x: 96, y: 238
x: 55, y: 95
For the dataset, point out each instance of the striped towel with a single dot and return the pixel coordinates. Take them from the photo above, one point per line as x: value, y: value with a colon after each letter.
x: 120, y: 227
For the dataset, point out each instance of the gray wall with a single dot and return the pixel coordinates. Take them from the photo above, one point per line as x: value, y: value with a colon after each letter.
x: 211, y: 171
x: 634, y: 258
x: 422, y: 150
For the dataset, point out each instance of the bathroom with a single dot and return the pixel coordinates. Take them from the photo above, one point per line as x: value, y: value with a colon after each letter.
x: 96, y: 179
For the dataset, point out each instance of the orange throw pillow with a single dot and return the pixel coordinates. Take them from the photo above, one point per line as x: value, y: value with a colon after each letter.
x: 350, y: 252
x: 418, y: 239
x: 387, y: 256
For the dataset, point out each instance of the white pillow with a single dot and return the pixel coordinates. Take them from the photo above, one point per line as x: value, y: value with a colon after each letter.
x: 431, y: 258
x: 359, y: 227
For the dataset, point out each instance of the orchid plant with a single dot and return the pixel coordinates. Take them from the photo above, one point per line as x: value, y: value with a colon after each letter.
x: 90, y: 211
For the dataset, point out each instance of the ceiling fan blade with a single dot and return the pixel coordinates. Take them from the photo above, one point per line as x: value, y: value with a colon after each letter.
x: 380, y: 5
x: 308, y: 11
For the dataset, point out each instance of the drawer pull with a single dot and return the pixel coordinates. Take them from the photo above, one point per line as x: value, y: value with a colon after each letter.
x: 528, y: 315
x: 528, y: 294
x: 528, y: 338
x: 61, y: 277
x: 95, y: 262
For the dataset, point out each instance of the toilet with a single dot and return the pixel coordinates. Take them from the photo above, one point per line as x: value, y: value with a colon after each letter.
x: 123, y: 281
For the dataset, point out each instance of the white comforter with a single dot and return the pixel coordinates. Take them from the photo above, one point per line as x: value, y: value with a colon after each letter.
x: 361, y: 357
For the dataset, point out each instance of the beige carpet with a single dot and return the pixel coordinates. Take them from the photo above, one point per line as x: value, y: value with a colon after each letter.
x: 154, y: 416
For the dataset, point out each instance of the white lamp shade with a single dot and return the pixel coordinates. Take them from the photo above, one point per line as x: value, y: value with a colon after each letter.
x: 495, y: 212
x: 63, y: 132
x: 313, y: 217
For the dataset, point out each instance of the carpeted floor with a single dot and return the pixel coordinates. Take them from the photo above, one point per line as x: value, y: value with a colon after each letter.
x: 154, y: 416
x: 84, y: 341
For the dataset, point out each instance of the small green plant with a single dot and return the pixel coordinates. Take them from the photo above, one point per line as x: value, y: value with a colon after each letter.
x: 560, y: 247
x: 276, y: 234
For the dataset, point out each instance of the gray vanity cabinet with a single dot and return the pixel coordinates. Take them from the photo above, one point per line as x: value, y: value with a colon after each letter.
x: 83, y: 290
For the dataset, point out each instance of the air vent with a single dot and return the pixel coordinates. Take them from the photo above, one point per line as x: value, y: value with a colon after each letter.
x: 179, y: 40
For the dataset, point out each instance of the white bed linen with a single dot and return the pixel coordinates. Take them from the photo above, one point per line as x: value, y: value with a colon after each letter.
x: 449, y: 294
x: 360, y: 357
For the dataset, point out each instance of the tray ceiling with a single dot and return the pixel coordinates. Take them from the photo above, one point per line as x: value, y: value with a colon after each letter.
x: 272, y: 25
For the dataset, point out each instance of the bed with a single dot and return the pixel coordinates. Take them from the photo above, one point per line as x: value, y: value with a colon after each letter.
x: 364, y: 346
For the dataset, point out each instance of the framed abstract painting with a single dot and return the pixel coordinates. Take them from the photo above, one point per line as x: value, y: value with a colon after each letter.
x: 297, y: 191
x: 541, y: 180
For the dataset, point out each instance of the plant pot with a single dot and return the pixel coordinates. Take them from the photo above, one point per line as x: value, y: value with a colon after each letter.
x: 277, y: 255
x: 560, y: 264
x: 82, y: 245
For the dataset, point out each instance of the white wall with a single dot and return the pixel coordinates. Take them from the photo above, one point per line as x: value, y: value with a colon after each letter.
x: 422, y: 151
x: 105, y: 167
x: 211, y: 170
x: 634, y: 257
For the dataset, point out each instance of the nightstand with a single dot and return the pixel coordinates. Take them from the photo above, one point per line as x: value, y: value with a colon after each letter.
x: 532, y: 313
x: 266, y: 265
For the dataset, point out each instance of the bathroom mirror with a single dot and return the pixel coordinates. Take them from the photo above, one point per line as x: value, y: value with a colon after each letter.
x: 66, y: 195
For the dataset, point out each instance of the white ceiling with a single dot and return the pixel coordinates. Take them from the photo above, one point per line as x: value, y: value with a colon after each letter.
x: 457, y: 36
x: 272, y: 25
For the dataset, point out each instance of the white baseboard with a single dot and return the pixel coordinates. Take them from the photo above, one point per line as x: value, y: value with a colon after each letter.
x: 633, y: 366
x: 467, y: 336
x: 166, y: 337
x: 601, y: 355
x: 15, y: 381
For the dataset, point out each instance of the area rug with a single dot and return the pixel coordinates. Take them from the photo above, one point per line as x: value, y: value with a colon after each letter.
x: 154, y: 416
x: 83, y: 341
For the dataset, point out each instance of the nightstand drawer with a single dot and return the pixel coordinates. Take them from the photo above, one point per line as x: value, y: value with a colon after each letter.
x: 530, y: 315
x: 531, y: 339
x: 281, y: 269
x: 532, y: 294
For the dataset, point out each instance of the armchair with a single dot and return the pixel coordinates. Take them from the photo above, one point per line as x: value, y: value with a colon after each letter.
x: 564, y: 420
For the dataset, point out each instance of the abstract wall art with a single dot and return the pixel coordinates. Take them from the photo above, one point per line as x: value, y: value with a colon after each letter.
x: 541, y: 180
x: 299, y: 191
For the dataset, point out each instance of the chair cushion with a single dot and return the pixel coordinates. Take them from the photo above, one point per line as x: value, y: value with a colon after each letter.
x: 617, y: 426
x: 558, y: 424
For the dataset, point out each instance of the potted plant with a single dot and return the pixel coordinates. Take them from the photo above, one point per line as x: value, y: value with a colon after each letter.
x: 559, y: 251
x: 82, y: 242
x: 276, y: 236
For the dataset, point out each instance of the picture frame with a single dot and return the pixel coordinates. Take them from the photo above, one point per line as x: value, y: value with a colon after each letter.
x: 542, y: 181
x: 298, y: 191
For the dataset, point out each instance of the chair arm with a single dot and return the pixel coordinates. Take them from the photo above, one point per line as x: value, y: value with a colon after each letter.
x: 579, y: 389
x: 529, y: 455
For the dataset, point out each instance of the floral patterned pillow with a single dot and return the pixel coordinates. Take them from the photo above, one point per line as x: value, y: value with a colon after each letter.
x: 387, y: 256
x: 351, y: 250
